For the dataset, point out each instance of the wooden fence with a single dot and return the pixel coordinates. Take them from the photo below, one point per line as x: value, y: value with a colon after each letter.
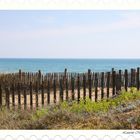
x: 34, y: 90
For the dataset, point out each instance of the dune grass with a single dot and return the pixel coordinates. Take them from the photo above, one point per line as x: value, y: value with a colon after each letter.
x: 73, y: 115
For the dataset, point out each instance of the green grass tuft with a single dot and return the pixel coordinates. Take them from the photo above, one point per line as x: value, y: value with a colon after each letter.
x: 39, y: 113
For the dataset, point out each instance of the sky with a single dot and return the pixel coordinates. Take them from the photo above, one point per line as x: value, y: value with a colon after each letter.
x: 70, y: 34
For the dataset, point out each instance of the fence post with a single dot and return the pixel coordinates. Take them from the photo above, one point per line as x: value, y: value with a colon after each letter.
x: 67, y: 96
x: 92, y: 80
x: 113, y: 82
x: 118, y: 82
x: 138, y: 82
x: 19, y: 97
x: 84, y: 87
x: 36, y: 94
x: 72, y: 85
x: 120, y: 79
x: 20, y: 75
x: 54, y: 88
x: 28, y: 75
x: 42, y: 93
x: 102, y: 85
x: 112, y: 77
x: 31, y: 96
x: 96, y: 87
x: 135, y: 77
x: 78, y: 87
x: 13, y: 95
x: 132, y: 77
x: 126, y: 79
x: 65, y: 73
x: 25, y: 98
x: 7, y: 98
x: 39, y: 78
x: 89, y: 83
x: 48, y: 92
x: 0, y: 96
x: 61, y: 90
x: 108, y: 83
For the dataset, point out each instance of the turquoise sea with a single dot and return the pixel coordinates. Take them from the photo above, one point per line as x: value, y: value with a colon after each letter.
x: 73, y: 65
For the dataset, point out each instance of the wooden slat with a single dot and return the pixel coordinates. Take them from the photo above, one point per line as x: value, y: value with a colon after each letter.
x: 108, y: 83
x: 13, y: 95
x: 37, y: 94
x: 31, y: 96
x: 0, y: 96
x: 25, y: 99
x: 96, y: 87
x: 113, y: 82
x: 72, y: 86
x: 102, y: 85
x: 48, y: 92
x: 42, y: 93
x: 78, y: 88
x: 7, y: 98
x: 67, y: 88
x: 84, y: 87
x: 54, y: 90
x: 89, y: 84
x: 126, y: 79
x: 61, y: 90
x: 19, y: 96
x: 138, y: 80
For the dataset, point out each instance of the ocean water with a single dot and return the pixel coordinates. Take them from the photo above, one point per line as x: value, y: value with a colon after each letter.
x: 72, y: 65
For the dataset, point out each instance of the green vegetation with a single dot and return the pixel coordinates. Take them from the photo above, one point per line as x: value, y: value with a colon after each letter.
x: 103, y: 105
x: 39, y: 113
x: 87, y: 114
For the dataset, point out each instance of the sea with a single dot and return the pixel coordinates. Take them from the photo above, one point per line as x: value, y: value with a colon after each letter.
x: 73, y: 65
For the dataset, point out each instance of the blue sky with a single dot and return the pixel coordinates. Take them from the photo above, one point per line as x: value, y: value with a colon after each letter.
x: 70, y: 34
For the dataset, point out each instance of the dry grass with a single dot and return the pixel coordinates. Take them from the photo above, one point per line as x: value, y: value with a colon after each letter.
x: 122, y: 112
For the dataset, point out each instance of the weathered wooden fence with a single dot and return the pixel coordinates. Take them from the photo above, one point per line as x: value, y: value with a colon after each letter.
x: 34, y: 90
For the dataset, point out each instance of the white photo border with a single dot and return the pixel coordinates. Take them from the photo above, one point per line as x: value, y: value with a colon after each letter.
x: 70, y: 5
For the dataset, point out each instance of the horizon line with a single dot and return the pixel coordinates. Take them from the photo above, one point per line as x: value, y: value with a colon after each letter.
x: 58, y: 58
